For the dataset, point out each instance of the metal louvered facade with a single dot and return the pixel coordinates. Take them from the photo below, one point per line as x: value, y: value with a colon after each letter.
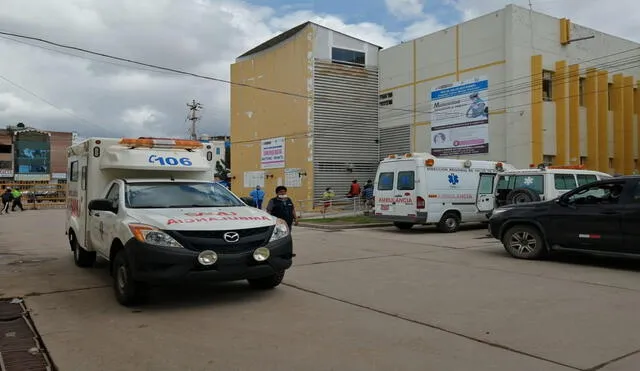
x: 396, y: 140
x: 345, y: 125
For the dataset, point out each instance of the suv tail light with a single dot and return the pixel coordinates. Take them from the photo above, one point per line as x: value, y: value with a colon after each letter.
x: 420, y: 202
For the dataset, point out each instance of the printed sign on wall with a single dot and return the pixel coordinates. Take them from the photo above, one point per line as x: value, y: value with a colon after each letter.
x: 272, y: 153
x: 460, y: 118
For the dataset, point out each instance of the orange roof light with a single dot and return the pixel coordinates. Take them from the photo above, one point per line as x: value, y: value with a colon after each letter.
x: 429, y: 162
x: 160, y: 142
x: 392, y: 156
x: 408, y: 155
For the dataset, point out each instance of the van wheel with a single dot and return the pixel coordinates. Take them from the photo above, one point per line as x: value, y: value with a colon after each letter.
x: 128, y: 292
x: 449, y: 223
x: 524, y: 242
x: 266, y: 283
x: 403, y: 226
x: 82, y: 257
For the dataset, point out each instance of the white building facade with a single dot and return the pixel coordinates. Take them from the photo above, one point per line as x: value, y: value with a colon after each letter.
x: 516, y: 86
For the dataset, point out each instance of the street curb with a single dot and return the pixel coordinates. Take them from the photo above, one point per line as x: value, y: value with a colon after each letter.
x: 344, y: 226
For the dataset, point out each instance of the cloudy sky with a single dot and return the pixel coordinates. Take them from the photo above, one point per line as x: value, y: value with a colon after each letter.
x: 57, y: 89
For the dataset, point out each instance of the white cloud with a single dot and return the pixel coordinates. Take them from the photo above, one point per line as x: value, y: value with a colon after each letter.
x: 405, y: 9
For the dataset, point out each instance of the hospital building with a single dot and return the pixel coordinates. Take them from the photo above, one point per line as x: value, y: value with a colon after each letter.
x: 313, y: 108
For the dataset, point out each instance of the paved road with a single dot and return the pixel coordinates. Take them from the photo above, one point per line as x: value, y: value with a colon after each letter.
x: 356, y: 300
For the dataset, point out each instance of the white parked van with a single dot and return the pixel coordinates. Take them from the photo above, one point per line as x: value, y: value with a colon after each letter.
x: 150, y: 207
x: 541, y: 183
x: 419, y: 188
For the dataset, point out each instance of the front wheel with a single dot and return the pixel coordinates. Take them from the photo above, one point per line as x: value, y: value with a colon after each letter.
x: 524, y: 242
x: 128, y: 291
x: 449, y: 223
x: 269, y: 282
x: 403, y: 226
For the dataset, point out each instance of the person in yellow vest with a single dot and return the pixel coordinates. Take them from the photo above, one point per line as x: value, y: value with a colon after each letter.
x: 17, y: 199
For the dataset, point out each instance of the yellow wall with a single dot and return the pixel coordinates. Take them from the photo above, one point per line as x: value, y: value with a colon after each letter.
x: 537, y: 125
x: 259, y: 114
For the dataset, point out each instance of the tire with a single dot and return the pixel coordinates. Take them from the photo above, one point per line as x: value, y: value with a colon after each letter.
x: 522, y: 195
x: 128, y: 292
x: 524, y: 242
x: 449, y: 223
x: 266, y: 283
x: 82, y: 257
x: 403, y: 226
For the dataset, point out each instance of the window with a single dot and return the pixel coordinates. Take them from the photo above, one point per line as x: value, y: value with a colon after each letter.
x: 607, y: 193
x: 486, y: 184
x: 385, y: 182
x: 73, y: 172
x: 406, y: 181
x: 564, y: 182
x: 346, y: 56
x: 548, y: 159
x: 547, y: 82
x: 83, y: 178
x: 585, y: 179
x: 532, y: 182
x: 610, y: 162
x: 179, y: 195
x: 636, y: 193
x: 6, y: 148
x: 114, y: 193
x: 581, y: 93
x: 583, y: 160
x: 386, y: 99
x: 218, y: 151
x: 609, y: 94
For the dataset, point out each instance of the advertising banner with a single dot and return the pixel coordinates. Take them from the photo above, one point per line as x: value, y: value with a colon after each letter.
x: 460, y: 118
x: 272, y: 153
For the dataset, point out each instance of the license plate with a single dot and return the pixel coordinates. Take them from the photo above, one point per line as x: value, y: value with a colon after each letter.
x: 384, y: 207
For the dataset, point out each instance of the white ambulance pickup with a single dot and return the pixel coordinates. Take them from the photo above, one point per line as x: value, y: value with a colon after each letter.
x: 419, y: 188
x: 150, y: 207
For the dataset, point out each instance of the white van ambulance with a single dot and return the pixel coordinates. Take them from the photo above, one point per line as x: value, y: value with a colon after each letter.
x: 150, y: 207
x: 419, y: 188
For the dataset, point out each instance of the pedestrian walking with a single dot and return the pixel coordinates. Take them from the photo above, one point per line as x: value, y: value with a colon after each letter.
x: 282, y: 207
x: 17, y: 199
x: 367, y: 195
x: 327, y: 197
x: 7, y: 198
x: 258, y: 196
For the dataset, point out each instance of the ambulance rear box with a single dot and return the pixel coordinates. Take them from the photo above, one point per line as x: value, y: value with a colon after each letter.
x: 421, y: 189
x: 150, y: 207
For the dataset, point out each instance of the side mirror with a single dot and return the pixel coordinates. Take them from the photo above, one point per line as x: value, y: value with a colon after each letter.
x: 249, y: 201
x: 101, y: 204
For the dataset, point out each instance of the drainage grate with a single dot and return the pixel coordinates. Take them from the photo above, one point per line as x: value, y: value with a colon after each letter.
x: 20, y: 346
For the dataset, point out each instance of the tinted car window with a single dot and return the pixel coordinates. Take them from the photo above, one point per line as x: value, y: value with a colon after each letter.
x: 585, y: 179
x: 564, y: 182
x: 406, y: 180
x: 608, y: 193
x: 385, y: 182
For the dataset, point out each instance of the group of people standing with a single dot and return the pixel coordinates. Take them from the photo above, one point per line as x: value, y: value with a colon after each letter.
x: 11, y: 198
x: 365, y: 193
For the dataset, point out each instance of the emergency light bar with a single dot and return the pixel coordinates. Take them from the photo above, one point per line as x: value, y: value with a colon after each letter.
x: 160, y: 142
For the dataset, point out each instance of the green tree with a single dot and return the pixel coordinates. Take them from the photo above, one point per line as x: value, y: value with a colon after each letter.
x: 222, y: 171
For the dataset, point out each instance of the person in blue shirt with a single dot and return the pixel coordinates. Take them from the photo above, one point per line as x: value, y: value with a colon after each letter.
x: 258, y: 196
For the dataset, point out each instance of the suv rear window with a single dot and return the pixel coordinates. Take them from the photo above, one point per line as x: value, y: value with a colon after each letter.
x: 406, y: 180
x: 385, y: 182
x: 564, y: 182
x: 586, y: 179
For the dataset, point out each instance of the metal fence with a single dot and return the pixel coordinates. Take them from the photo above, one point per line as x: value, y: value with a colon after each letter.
x: 328, y: 208
x: 39, y: 195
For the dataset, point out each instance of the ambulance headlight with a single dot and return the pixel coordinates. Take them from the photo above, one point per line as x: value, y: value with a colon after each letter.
x: 152, y: 236
x: 280, y: 231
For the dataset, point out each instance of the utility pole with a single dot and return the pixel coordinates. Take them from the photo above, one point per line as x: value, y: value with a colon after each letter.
x: 193, y: 108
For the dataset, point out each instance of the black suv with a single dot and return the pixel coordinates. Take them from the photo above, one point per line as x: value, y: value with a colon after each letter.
x: 601, y: 217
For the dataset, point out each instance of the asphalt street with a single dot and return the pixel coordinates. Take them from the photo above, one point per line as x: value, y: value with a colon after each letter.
x: 366, y: 299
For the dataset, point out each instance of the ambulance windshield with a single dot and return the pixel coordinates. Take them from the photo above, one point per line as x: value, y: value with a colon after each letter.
x: 178, y: 195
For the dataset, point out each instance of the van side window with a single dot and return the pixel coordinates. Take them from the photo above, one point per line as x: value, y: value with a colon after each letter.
x: 532, y: 182
x: 385, y: 182
x: 114, y: 194
x: 406, y: 181
x: 73, y: 172
x: 586, y: 179
x: 564, y: 182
